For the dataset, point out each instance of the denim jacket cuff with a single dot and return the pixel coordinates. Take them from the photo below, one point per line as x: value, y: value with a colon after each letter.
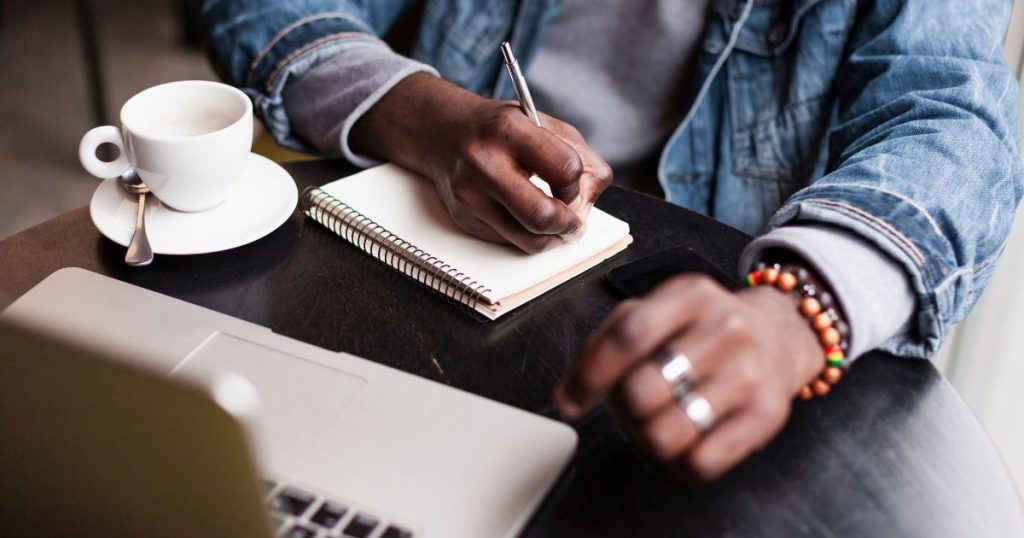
x: 294, y: 51
x: 900, y: 228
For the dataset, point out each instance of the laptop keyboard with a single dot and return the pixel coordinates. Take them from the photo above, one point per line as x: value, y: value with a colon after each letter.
x: 298, y: 513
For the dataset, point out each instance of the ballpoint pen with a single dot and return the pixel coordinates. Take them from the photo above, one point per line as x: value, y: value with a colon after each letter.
x: 519, y: 83
x: 526, y: 103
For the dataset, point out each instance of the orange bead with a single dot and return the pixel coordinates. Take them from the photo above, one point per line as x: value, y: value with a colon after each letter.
x: 769, y: 276
x: 810, y: 307
x: 786, y: 281
x: 822, y: 321
x: 805, y: 393
x: 832, y: 375
x: 820, y: 387
x: 829, y: 336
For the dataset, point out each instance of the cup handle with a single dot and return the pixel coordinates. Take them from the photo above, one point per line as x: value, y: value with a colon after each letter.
x: 87, y: 152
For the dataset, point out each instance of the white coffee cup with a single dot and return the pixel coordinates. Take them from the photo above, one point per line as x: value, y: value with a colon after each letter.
x: 188, y: 140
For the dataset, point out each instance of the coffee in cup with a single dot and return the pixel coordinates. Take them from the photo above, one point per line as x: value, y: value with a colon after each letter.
x: 187, y: 140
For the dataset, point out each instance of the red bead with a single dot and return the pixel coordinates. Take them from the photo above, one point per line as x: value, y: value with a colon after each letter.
x: 834, y: 348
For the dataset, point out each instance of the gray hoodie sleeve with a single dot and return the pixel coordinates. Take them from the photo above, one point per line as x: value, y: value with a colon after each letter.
x: 326, y: 101
x: 872, y: 288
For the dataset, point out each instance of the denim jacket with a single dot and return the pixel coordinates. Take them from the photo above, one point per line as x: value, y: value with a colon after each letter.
x: 894, y: 119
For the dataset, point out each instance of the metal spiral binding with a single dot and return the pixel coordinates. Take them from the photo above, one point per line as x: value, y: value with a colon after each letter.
x: 372, y: 238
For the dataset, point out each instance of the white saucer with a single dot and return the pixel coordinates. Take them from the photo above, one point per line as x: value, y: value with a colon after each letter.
x: 265, y: 197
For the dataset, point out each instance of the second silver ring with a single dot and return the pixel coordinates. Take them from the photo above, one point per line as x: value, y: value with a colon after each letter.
x: 699, y: 411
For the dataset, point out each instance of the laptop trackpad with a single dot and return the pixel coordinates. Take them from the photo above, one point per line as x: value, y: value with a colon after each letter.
x: 297, y: 398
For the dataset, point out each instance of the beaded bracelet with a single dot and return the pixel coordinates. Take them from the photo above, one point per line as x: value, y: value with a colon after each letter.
x: 818, y: 307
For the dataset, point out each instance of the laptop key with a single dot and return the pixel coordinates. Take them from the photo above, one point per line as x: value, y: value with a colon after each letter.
x: 361, y: 526
x: 292, y: 501
x: 328, y: 515
x: 396, y: 532
x: 299, y: 531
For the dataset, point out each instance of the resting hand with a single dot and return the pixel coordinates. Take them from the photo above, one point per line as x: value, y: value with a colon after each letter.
x: 751, y: 352
x: 480, y: 153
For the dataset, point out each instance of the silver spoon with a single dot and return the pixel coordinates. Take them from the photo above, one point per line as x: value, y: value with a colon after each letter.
x: 139, y: 251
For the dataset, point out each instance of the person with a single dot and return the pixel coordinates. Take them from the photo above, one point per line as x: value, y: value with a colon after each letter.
x: 872, y: 148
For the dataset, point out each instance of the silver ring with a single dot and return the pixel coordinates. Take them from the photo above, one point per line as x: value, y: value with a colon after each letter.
x: 699, y: 411
x: 676, y: 369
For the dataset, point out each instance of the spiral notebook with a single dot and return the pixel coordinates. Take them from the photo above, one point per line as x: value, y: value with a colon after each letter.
x: 395, y: 216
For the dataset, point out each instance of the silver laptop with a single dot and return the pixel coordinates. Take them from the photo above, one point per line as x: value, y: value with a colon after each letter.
x: 176, y: 410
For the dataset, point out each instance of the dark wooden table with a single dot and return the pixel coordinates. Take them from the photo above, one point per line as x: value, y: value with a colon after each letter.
x: 893, y: 451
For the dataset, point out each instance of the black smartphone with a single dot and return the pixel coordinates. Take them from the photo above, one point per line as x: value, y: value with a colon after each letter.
x: 638, y: 277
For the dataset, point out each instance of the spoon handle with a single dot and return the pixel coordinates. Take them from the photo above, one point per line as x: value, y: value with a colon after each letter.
x: 139, y: 252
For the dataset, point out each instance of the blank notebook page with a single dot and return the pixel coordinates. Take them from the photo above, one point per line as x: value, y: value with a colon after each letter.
x: 407, y: 205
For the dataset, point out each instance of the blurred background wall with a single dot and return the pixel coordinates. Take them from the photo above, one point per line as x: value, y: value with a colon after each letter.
x: 982, y: 358
x: 45, y: 91
x: 46, y: 105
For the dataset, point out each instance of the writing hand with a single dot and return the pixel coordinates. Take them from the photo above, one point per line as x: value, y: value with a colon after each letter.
x: 480, y: 153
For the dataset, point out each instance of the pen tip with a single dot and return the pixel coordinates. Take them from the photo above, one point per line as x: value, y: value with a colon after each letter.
x: 506, y: 51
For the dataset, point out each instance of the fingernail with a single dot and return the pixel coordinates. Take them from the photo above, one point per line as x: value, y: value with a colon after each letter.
x: 572, y: 238
x: 568, y: 410
x: 582, y: 231
x: 568, y: 399
x: 577, y: 234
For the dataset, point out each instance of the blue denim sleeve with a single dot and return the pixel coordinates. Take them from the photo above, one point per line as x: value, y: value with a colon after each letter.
x: 924, y: 156
x: 260, y: 44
